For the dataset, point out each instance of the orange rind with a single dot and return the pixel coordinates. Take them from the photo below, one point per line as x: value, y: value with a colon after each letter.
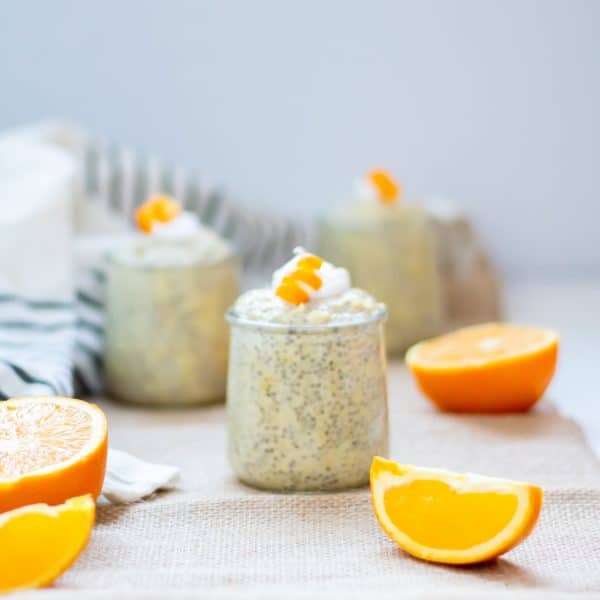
x: 157, y: 209
x: 387, y: 188
x: 490, y: 368
x: 453, y: 518
x: 51, y: 449
x: 39, y: 542
x: 292, y: 290
x: 310, y: 262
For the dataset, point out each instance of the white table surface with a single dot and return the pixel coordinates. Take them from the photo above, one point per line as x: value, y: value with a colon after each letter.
x: 572, y: 308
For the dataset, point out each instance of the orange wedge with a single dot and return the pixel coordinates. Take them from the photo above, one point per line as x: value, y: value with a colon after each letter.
x: 489, y: 368
x: 39, y: 542
x: 51, y: 449
x: 453, y: 518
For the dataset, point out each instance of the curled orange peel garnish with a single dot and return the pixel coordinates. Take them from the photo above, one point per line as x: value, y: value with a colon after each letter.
x: 290, y: 288
x: 388, y: 190
x: 310, y: 262
x: 292, y: 293
x: 159, y: 208
x: 307, y: 276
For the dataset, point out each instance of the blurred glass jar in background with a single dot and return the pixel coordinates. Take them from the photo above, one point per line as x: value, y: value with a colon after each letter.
x: 389, y: 248
x: 166, y: 337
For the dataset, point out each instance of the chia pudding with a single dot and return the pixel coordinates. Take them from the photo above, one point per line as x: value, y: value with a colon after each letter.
x: 389, y: 249
x: 166, y: 342
x: 307, y: 390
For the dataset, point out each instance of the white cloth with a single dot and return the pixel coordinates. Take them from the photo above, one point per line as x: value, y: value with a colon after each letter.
x: 129, y: 479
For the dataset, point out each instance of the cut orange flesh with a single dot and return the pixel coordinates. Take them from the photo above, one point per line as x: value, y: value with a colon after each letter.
x: 491, y: 368
x: 38, y: 542
x: 51, y: 449
x: 387, y: 188
x: 448, y: 517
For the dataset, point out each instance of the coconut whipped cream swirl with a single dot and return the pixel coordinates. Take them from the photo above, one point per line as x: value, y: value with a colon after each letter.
x: 307, y: 277
x: 163, y: 217
x: 171, y: 235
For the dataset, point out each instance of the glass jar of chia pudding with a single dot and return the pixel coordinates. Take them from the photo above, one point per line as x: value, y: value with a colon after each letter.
x: 389, y: 249
x: 307, y: 388
x: 166, y: 341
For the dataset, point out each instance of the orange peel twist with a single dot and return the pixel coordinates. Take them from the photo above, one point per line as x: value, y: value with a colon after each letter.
x: 159, y: 208
x: 387, y: 188
x: 291, y: 289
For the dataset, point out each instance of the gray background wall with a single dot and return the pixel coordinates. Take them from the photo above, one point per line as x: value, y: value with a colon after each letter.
x: 492, y: 103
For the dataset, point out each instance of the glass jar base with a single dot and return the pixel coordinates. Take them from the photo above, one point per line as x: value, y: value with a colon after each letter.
x: 308, y: 491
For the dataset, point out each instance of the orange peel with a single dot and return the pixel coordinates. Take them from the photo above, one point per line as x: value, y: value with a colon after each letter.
x: 290, y: 288
x: 387, y: 188
x: 308, y: 277
x: 292, y: 293
x: 310, y: 262
x: 40, y: 542
x: 52, y: 449
x: 159, y: 208
x: 488, y: 368
x: 452, y: 518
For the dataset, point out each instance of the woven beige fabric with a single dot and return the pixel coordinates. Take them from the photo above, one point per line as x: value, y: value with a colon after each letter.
x: 216, y: 538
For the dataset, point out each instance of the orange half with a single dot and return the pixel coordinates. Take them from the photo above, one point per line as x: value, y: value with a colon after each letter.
x: 39, y: 542
x: 51, y: 449
x: 453, y: 518
x: 490, y: 368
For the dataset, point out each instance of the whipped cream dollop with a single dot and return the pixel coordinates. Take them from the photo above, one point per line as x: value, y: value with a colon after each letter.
x: 170, y: 236
x: 365, y: 191
x: 334, y: 281
x: 184, y: 225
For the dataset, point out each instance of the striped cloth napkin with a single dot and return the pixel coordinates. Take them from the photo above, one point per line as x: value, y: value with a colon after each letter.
x: 51, y: 315
x: 51, y: 340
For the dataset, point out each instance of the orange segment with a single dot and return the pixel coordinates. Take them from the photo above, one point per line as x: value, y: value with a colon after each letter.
x: 387, y: 188
x: 40, y: 542
x: 448, y: 517
x: 51, y: 449
x: 494, y: 367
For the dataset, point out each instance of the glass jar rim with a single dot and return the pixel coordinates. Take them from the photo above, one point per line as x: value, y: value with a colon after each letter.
x: 234, y: 318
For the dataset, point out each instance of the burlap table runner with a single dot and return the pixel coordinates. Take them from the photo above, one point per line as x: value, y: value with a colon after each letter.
x: 217, y: 538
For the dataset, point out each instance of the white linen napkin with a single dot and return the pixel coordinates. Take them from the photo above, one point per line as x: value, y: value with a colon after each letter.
x: 129, y: 479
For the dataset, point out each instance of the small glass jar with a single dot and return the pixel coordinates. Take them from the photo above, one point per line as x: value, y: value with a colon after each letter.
x: 394, y: 257
x: 166, y: 341
x: 307, y: 404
